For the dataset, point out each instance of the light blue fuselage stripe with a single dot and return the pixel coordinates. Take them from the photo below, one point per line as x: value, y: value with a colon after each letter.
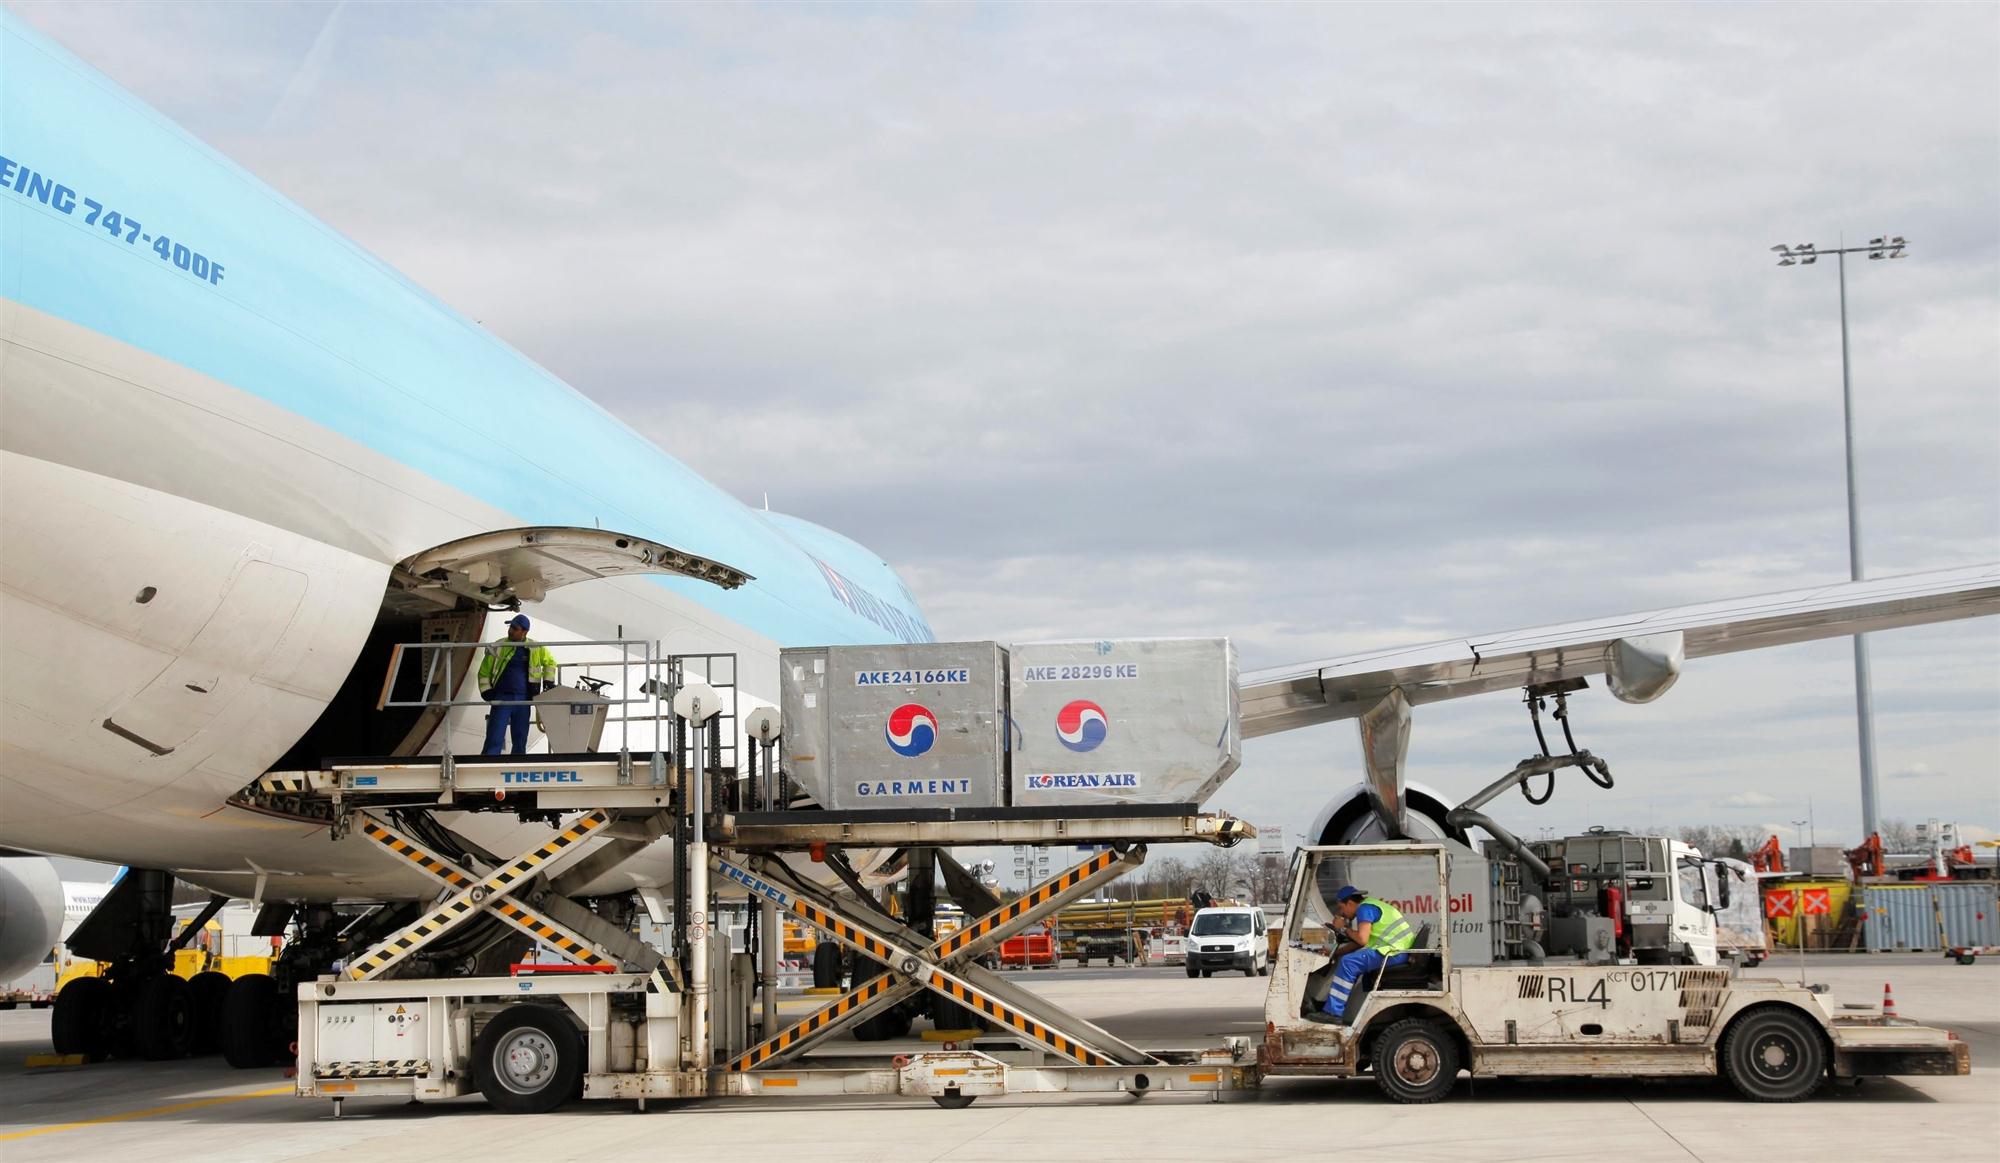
x: 303, y: 318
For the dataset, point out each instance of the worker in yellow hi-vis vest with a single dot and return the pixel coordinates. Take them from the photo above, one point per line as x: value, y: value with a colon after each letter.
x: 1374, y: 933
x: 514, y: 671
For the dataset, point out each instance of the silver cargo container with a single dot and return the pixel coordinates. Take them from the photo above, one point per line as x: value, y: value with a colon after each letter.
x: 916, y: 725
x: 1908, y: 916
x: 1143, y: 720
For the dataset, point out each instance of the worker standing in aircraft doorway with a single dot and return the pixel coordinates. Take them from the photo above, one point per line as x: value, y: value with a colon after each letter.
x: 513, y: 671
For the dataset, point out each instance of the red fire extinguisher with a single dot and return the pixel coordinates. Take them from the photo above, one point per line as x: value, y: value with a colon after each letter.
x: 1614, y: 907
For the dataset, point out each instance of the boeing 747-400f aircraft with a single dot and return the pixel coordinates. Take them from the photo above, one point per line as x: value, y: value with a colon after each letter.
x: 241, y: 459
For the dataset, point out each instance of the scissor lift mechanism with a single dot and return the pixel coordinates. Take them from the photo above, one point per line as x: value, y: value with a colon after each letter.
x: 1045, y: 1047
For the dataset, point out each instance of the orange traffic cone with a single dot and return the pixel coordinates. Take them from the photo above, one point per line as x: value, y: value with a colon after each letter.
x: 1888, y: 1001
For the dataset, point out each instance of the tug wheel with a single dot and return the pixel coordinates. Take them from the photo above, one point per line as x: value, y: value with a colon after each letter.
x: 1774, y: 1055
x: 1415, y: 1061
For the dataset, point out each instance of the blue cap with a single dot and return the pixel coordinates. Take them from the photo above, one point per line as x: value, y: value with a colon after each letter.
x: 1348, y: 893
x: 520, y: 620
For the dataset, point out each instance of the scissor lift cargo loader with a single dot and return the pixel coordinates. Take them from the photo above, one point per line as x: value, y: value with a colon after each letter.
x: 633, y: 1024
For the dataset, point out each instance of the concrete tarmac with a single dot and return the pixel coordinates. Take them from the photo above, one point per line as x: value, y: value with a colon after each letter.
x: 202, y: 1110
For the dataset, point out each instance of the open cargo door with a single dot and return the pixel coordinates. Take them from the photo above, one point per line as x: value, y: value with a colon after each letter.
x: 444, y: 594
x: 509, y: 565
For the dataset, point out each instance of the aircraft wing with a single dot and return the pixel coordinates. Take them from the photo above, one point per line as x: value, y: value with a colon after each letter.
x: 1639, y: 654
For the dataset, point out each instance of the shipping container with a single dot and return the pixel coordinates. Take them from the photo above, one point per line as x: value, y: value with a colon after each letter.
x: 1136, y: 720
x: 1909, y: 916
x: 914, y: 725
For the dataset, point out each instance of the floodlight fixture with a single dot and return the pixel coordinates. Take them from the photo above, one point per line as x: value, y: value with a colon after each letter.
x: 1881, y: 246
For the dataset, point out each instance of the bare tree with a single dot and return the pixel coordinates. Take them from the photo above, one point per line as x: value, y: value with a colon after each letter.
x: 1225, y: 873
x: 1900, y: 836
x: 1270, y: 878
x: 1732, y: 840
x: 1214, y: 872
x: 1164, y: 878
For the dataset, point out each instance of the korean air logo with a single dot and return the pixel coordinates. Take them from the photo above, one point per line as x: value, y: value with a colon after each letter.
x: 912, y: 730
x: 1081, y: 725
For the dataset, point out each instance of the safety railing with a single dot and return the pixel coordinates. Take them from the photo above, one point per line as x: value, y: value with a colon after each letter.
x: 644, y: 680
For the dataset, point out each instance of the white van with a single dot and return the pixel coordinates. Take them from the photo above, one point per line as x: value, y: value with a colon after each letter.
x: 1228, y: 938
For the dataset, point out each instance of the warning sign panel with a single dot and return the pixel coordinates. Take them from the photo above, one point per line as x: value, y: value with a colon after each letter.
x: 1815, y: 902
x: 1780, y: 902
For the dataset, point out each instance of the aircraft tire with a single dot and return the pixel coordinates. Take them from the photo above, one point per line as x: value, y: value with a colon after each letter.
x: 826, y: 965
x: 81, y: 1023
x: 205, y: 993
x: 162, y: 1018
x: 247, y: 1011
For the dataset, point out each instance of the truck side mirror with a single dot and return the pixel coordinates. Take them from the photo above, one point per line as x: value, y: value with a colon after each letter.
x: 1721, y: 887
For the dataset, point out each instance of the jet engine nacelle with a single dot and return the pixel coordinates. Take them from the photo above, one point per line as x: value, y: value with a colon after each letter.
x: 1351, y: 818
x: 1639, y: 669
x: 31, y: 913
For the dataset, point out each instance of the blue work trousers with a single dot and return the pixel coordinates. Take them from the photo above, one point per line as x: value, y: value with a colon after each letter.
x: 503, y: 721
x: 1352, y: 968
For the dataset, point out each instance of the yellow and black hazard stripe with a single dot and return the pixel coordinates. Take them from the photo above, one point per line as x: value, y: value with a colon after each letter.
x: 386, y: 1068
x: 842, y: 1006
x: 531, y: 923
x: 562, y: 940
x: 415, y: 853
x: 859, y: 938
x: 1013, y: 1019
x: 285, y: 784
x: 1012, y: 910
x: 462, y: 907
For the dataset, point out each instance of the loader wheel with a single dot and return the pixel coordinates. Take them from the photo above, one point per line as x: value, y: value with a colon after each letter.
x: 528, y: 1060
x: 1774, y: 1055
x: 1415, y: 1062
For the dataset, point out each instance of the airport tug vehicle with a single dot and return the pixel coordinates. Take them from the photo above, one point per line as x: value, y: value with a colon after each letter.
x: 1567, y: 1011
x: 1514, y: 972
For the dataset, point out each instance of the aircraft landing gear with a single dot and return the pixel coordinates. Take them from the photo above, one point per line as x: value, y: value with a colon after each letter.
x: 82, y: 1019
x: 258, y: 1014
x: 256, y: 1018
x: 250, y: 1026
x: 137, y: 1006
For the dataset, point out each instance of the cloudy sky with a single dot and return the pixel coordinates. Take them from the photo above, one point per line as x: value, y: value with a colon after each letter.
x: 1324, y: 327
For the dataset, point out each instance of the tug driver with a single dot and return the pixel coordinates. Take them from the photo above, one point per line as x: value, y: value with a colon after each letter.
x: 1374, y: 934
x: 513, y: 671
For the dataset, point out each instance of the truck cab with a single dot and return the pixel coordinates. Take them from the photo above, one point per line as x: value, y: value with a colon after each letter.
x: 1648, y: 898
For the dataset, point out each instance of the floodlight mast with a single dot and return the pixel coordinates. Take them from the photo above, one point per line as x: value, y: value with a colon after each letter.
x: 1805, y: 254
